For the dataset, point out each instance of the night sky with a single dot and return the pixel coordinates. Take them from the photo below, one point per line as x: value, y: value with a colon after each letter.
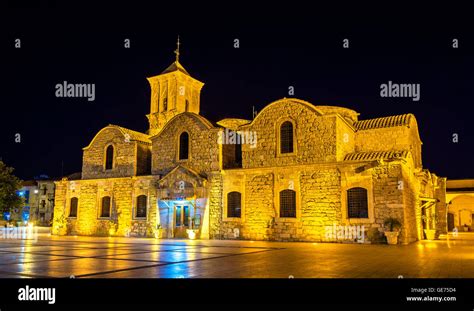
x: 276, y: 51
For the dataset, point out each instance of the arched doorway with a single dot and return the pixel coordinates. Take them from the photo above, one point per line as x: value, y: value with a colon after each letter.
x: 461, y: 213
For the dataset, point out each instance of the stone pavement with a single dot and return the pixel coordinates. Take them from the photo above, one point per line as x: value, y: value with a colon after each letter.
x: 102, y: 257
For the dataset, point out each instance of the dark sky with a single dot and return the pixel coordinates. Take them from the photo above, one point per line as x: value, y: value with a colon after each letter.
x: 303, y: 50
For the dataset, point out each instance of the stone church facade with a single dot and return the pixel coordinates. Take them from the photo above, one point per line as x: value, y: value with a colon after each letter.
x: 298, y: 170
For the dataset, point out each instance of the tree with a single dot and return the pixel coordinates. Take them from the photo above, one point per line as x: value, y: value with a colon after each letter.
x: 9, y: 185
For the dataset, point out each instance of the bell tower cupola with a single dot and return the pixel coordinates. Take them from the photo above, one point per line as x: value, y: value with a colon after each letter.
x: 173, y: 91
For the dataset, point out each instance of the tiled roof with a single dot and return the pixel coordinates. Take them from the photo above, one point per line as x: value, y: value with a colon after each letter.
x: 175, y: 66
x: 400, y: 120
x: 376, y: 155
x: 134, y: 135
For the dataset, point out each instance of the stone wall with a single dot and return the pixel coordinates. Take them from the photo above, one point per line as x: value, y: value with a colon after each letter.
x: 123, y: 193
x: 388, y: 196
x: 395, y: 138
x: 314, y: 139
x: 215, y: 206
x: 441, y: 206
x: 93, y: 161
x: 60, y: 213
x: 321, y: 201
x: 345, y: 139
x: 317, y: 171
x: 259, y: 206
x: 204, y: 154
x: 143, y: 159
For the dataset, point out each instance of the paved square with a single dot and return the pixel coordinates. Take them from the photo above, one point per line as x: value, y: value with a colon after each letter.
x: 102, y: 257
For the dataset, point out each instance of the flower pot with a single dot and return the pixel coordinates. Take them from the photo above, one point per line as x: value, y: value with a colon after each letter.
x: 192, y: 233
x: 430, y: 234
x: 392, y: 237
x: 466, y: 229
x: 158, y: 233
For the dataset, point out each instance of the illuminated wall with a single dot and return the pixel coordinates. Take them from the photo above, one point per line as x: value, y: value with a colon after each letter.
x: 333, y: 151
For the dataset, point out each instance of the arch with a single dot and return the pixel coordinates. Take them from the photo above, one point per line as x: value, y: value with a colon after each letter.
x: 199, y: 119
x: 126, y: 133
x: 462, y: 208
x: 286, y: 100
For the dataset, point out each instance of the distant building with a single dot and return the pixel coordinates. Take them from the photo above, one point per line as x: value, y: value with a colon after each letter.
x: 460, y: 198
x: 29, y: 193
x: 38, y: 207
x: 301, y: 169
x: 42, y: 213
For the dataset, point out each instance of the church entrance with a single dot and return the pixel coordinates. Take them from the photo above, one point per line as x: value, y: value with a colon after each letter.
x: 182, y: 203
x: 182, y: 219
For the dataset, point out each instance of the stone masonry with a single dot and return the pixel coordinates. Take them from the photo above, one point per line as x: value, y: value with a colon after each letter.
x: 333, y: 153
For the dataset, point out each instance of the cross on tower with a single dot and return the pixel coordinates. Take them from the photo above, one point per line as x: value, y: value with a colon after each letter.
x: 177, y: 50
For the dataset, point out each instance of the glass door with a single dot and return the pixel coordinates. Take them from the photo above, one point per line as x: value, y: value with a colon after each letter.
x: 182, y: 220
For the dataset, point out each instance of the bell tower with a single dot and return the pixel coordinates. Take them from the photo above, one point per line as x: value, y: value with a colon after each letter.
x: 173, y: 91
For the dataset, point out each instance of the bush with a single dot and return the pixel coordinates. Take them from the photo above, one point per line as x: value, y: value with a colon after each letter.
x: 392, y: 224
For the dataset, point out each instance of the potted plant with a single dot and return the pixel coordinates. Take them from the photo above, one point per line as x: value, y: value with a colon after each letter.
x: 392, y: 226
x: 466, y: 228
x: 192, y: 231
x: 430, y: 221
x: 158, y: 231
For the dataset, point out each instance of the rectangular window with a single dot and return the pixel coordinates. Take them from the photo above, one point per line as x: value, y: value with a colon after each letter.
x: 141, y: 206
x: 288, y: 203
x: 357, y: 203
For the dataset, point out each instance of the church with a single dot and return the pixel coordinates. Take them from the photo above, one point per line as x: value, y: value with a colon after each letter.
x: 289, y: 174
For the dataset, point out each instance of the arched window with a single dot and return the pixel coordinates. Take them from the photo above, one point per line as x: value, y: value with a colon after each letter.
x: 288, y: 203
x: 141, y: 206
x: 73, y: 207
x: 105, y: 207
x: 186, y: 105
x: 109, y: 157
x: 286, y: 137
x: 165, y: 104
x: 184, y: 146
x: 357, y: 206
x: 234, y: 208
